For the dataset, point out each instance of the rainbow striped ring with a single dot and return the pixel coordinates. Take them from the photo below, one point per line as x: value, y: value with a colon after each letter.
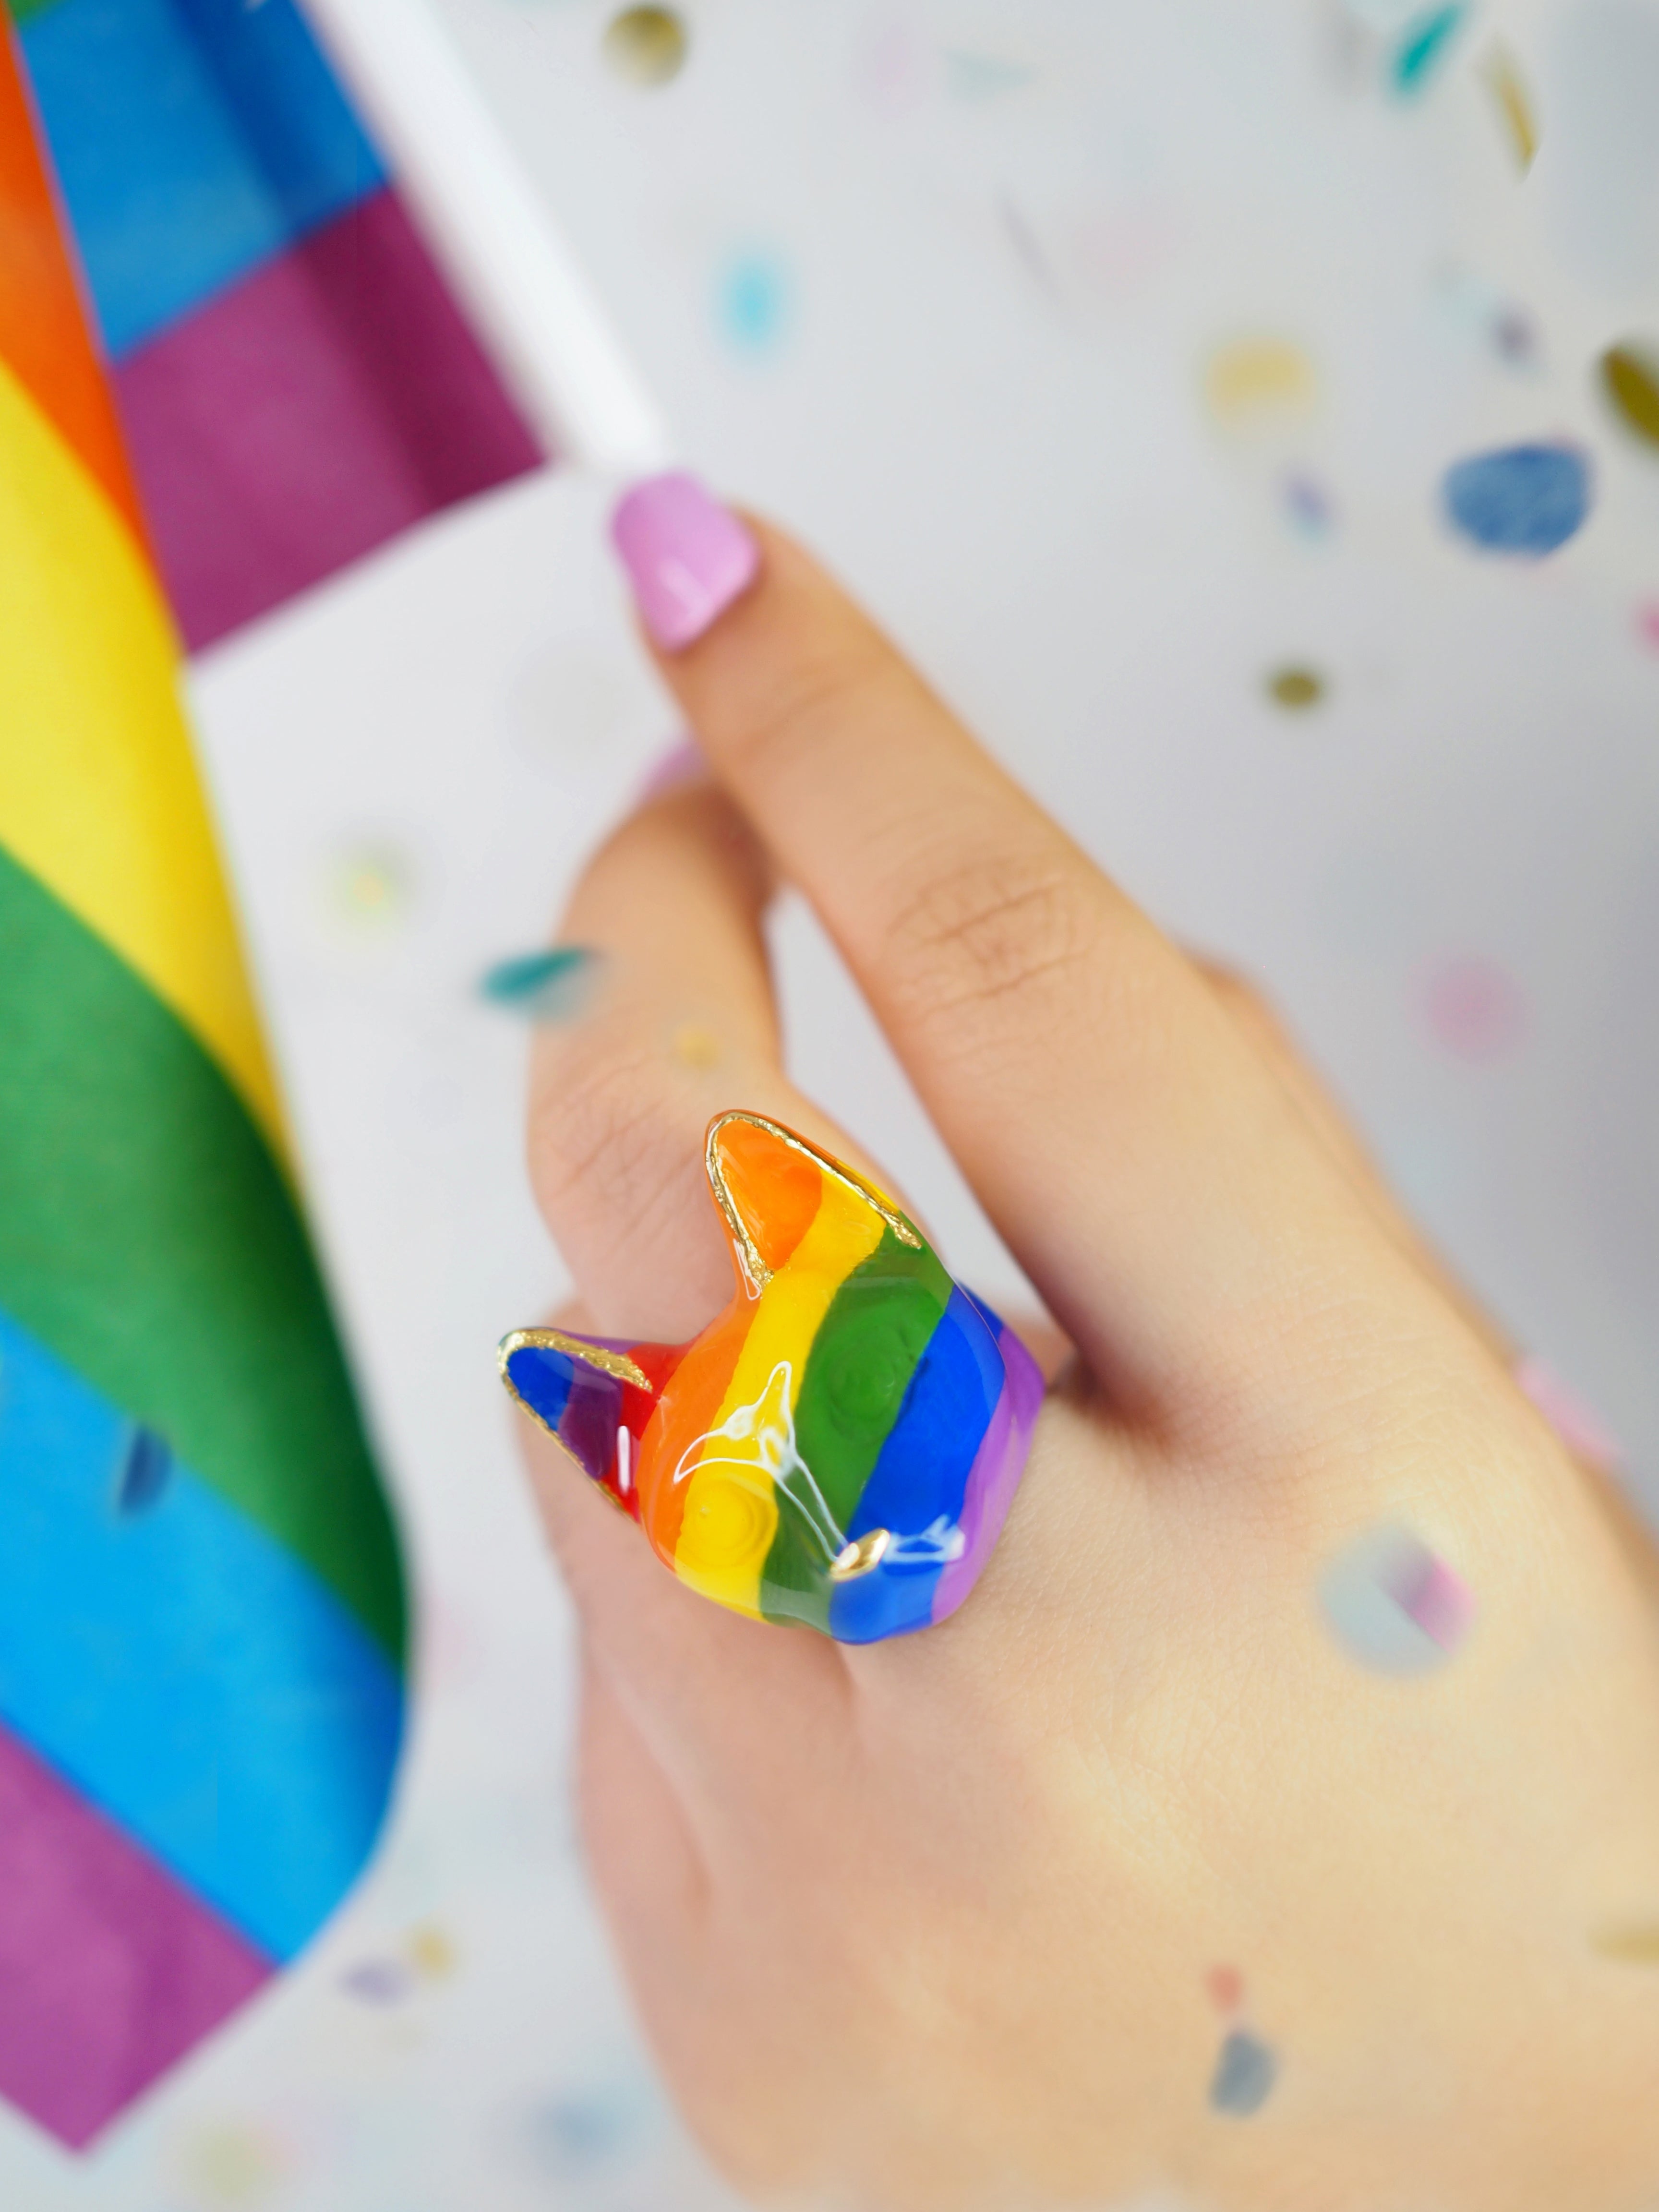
x: 840, y: 1446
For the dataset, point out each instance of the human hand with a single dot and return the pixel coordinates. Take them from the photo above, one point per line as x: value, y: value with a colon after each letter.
x: 1185, y: 1858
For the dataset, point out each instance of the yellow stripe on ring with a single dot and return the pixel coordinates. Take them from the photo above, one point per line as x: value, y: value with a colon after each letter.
x: 846, y: 1229
x: 100, y: 795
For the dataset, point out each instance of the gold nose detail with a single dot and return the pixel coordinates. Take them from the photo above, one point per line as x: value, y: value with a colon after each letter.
x: 858, y: 1557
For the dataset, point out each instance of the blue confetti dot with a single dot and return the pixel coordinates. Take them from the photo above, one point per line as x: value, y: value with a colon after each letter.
x: 573, y: 2135
x: 1427, y: 37
x: 145, y: 1468
x: 1526, y: 500
x: 1244, y: 2075
x: 755, y: 301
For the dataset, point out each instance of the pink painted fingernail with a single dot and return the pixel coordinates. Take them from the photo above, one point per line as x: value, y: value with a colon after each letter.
x: 684, y: 762
x: 687, y: 556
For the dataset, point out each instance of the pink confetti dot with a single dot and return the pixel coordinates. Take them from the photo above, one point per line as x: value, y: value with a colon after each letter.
x: 1226, y: 1987
x: 1647, y: 623
x: 1474, y: 1008
x: 1579, y: 1427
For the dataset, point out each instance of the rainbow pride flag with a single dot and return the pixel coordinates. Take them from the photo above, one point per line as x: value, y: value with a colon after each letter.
x: 294, y: 383
x: 202, y: 1613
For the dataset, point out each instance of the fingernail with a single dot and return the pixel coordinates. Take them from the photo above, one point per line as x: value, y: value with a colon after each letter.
x: 543, y: 987
x: 684, y: 762
x: 687, y: 556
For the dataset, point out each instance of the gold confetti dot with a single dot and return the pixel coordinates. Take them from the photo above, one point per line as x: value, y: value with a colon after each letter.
x: 646, y: 45
x: 697, y: 1047
x: 1255, y: 377
x: 1514, y: 110
x: 230, y: 2165
x: 1633, y: 1945
x: 1630, y: 377
x: 1295, y: 687
x: 431, y: 1953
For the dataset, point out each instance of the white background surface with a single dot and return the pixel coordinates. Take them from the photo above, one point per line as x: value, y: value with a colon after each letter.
x: 939, y: 284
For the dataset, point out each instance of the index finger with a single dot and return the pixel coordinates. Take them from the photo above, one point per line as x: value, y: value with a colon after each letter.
x: 1129, y: 1147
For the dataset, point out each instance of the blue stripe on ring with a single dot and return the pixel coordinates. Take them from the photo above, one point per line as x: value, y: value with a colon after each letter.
x: 189, y: 1675
x: 921, y: 1474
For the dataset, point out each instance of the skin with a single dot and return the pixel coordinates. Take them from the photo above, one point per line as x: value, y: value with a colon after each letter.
x: 937, y: 1923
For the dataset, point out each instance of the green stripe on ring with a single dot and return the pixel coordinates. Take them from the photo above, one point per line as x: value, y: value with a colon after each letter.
x: 858, y: 1370
x: 148, y: 1239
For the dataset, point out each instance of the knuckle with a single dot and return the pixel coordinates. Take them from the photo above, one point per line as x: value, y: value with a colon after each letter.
x: 800, y: 703
x: 999, y: 927
x: 604, y: 1141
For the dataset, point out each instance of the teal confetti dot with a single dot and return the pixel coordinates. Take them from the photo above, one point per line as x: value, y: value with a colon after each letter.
x: 1423, y: 48
x: 543, y: 987
x: 756, y: 302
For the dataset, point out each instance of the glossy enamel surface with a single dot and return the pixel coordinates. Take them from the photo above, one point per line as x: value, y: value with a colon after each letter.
x: 849, y: 1388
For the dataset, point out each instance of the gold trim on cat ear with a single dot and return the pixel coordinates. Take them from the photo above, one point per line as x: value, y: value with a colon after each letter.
x: 555, y: 1340
x: 754, y: 1268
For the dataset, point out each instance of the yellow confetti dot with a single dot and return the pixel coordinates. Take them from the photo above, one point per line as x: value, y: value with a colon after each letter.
x: 1252, y: 378
x: 1295, y: 687
x: 431, y: 1952
x: 231, y: 2165
x: 372, y: 887
x: 1514, y: 110
x: 648, y: 45
x: 1635, y: 1946
x: 697, y: 1047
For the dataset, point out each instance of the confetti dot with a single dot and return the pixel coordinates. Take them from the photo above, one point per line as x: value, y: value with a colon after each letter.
x: 145, y: 1469
x: 1525, y: 500
x: 1474, y: 1008
x: 1630, y: 377
x: 1395, y: 1606
x: 573, y: 2135
x: 697, y: 1047
x: 1244, y: 2075
x: 1252, y: 378
x: 646, y: 45
x: 543, y: 987
x: 1636, y: 1945
x: 983, y: 76
x: 231, y: 2165
x: 1514, y: 105
x: 378, y: 1981
x: 1515, y: 337
x: 1424, y: 47
x: 1295, y: 687
x: 1308, y: 506
x: 432, y: 1952
x: 754, y: 301
x: 1226, y: 1987
x: 1579, y: 1427
x: 1647, y: 623
x: 372, y: 888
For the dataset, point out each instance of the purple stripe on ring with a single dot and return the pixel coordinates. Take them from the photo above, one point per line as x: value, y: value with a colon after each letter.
x: 996, y: 1474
